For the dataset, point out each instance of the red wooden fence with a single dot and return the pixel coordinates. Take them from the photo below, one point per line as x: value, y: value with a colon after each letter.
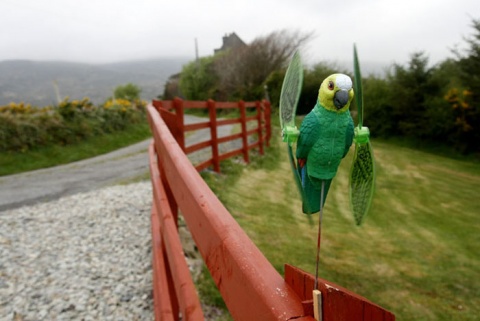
x: 251, y: 288
x: 172, y: 111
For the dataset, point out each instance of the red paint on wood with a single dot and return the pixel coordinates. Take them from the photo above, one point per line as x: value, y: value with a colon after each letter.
x: 161, y: 299
x: 165, y: 300
x: 212, y: 112
x: 204, y: 165
x: 227, y: 105
x: 268, y: 123
x: 250, y: 286
x: 229, y: 138
x: 338, y: 303
x: 178, y: 105
x: 177, y: 271
x: 230, y: 154
x: 228, y: 121
x: 175, y: 122
x: 196, y: 126
x: 194, y: 148
x: 259, y: 126
x: 192, y: 104
x: 243, y: 115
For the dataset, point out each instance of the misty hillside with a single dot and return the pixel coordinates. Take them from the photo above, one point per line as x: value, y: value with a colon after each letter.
x: 32, y: 81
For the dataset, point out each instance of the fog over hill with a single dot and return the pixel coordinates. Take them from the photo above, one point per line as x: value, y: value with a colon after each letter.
x: 32, y: 81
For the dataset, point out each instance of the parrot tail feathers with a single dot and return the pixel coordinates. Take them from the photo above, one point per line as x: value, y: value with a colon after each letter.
x: 312, y: 191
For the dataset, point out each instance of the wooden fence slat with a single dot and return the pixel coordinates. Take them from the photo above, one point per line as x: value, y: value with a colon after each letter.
x: 165, y: 298
x: 195, y: 147
x: 204, y: 165
x: 228, y: 121
x: 181, y: 278
x: 249, y: 284
x: 230, y: 154
x: 225, y: 139
x: 259, y: 126
x: 338, y: 303
x: 192, y: 104
x: 268, y: 123
x: 243, y: 114
x: 226, y: 105
x: 161, y: 298
x: 178, y: 105
x: 213, y: 134
x: 196, y: 126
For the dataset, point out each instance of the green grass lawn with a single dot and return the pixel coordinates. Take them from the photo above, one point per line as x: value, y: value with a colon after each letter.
x: 417, y: 254
x: 12, y: 163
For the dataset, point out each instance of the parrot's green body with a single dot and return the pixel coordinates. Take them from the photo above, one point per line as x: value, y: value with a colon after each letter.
x: 326, y: 135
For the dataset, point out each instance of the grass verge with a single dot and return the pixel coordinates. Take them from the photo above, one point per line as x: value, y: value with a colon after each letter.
x: 417, y: 252
x: 12, y: 163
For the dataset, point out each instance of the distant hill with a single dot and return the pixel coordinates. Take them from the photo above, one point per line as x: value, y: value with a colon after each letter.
x: 32, y: 81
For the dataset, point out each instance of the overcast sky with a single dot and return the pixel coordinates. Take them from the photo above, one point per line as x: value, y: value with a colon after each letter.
x: 115, y: 30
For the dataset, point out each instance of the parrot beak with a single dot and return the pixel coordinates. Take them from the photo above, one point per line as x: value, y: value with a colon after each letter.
x: 341, y: 98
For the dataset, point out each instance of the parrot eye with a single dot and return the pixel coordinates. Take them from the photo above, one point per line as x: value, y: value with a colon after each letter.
x: 331, y: 85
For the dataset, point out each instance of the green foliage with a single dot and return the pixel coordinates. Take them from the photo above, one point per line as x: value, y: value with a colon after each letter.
x: 57, y: 154
x: 467, y: 104
x: 424, y: 105
x: 129, y: 92
x: 23, y: 127
x: 198, y: 80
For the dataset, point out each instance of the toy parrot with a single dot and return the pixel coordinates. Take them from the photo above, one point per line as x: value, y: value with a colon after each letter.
x: 326, y: 135
x: 324, y: 138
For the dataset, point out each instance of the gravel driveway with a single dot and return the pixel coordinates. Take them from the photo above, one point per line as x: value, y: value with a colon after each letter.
x: 74, y: 247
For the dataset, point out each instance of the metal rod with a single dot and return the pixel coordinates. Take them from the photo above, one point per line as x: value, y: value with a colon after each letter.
x: 319, y: 235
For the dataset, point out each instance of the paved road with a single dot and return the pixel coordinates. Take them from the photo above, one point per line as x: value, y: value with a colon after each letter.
x: 119, y: 166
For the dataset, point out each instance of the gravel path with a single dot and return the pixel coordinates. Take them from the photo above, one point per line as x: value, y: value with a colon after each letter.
x: 82, y: 257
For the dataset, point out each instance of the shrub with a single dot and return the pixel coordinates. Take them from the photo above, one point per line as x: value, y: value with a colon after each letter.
x: 23, y: 127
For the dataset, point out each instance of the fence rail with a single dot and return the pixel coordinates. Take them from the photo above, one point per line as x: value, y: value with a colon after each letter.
x: 172, y: 111
x: 250, y: 286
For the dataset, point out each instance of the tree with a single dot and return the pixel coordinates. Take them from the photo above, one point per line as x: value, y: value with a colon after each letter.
x: 466, y: 100
x: 410, y: 89
x: 129, y: 92
x: 378, y: 106
x: 243, y: 72
x: 198, y: 80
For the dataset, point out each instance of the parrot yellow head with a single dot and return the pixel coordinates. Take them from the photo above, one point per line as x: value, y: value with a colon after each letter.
x: 336, y: 93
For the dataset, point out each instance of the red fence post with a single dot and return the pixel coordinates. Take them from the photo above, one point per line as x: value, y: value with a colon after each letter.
x: 268, y: 123
x: 260, y: 114
x: 212, y: 111
x: 178, y: 105
x: 243, y: 117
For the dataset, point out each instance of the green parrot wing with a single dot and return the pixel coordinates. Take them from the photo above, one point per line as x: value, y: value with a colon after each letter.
x: 309, y: 134
x: 291, y: 88
x: 362, y: 173
x: 357, y: 86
